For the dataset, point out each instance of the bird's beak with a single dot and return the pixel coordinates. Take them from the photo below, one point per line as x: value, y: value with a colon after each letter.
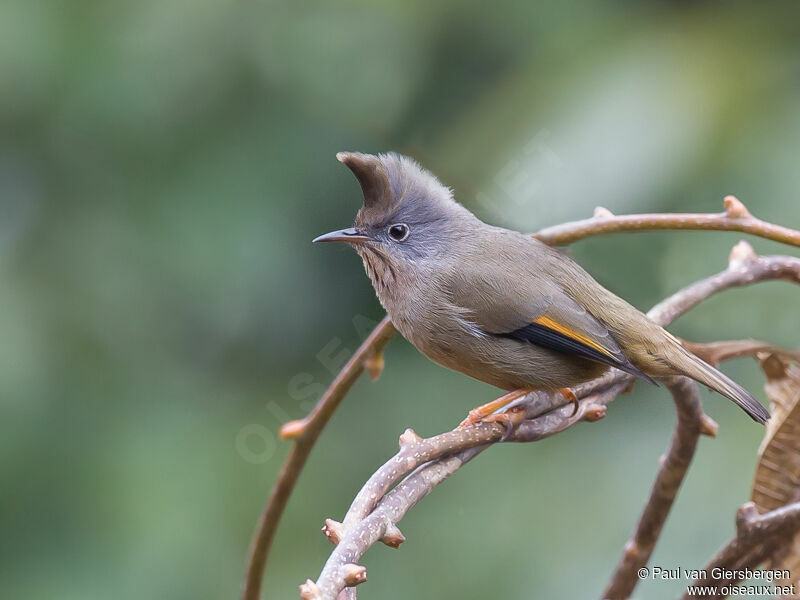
x: 351, y: 236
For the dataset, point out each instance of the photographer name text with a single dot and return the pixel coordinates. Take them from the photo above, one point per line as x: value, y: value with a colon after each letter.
x: 682, y: 573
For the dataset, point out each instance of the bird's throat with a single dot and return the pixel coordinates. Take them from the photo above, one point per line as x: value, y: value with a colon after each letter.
x: 381, y: 272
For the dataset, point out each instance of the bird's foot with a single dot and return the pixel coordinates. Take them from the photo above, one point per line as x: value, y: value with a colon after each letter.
x: 509, y: 419
x: 570, y: 395
x: 485, y: 413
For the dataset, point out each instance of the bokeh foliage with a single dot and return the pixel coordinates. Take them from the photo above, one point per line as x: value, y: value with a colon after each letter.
x: 163, y: 168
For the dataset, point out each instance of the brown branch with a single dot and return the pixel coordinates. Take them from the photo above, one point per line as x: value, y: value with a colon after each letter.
x: 756, y: 538
x: 735, y: 218
x: 376, y: 510
x: 752, y: 527
x: 766, y: 527
x: 434, y: 459
x: 671, y: 473
x: 744, y: 268
x: 415, y: 451
x: 304, y: 439
x: 716, y: 352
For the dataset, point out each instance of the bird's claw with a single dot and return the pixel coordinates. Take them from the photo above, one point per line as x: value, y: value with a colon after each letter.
x: 474, y: 416
x: 570, y: 395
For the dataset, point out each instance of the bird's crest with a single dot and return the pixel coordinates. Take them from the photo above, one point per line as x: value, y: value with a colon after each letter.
x: 391, y: 183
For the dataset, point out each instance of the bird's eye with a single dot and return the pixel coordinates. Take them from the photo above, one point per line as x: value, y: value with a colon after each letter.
x: 398, y: 232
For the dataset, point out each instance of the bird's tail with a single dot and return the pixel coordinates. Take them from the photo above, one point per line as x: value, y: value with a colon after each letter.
x: 704, y: 373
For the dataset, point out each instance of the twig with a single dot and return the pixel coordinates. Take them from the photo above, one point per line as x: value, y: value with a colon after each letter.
x: 373, y: 514
x: 716, y: 352
x: 752, y: 527
x: 304, y: 439
x: 744, y: 268
x: 671, y: 472
x: 766, y: 526
x: 735, y: 218
x: 756, y: 537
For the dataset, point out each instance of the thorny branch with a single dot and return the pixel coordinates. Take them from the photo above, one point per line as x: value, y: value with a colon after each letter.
x: 736, y: 217
x: 717, y: 352
x: 756, y: 537
x: 305, y: 434
x: 369, y: 356
x: 375, y: 511
x: 767, y: 527
x: 672, y: 470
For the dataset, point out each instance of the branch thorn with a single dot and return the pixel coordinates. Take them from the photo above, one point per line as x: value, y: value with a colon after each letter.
x: 333, y: 531
x: 601, y: 212
x: 354, y: 574
x: 632, y: 550
x: 708, y: 426
x: 374, y: 365
x: 735, y: 209
x: 310, y: 591
x: 741, y: 254
x: 393, y: 536
x: 293, y: 429
x: 409, y: 436
x: 746, y: 514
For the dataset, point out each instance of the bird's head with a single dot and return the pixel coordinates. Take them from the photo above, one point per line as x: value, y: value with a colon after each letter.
x: 408, y: 216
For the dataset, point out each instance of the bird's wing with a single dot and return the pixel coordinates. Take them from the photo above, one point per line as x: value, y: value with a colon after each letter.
x: 539, y: 313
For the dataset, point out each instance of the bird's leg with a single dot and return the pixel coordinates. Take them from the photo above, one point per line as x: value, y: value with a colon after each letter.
x: 570, y: 395
x: 483, y: 413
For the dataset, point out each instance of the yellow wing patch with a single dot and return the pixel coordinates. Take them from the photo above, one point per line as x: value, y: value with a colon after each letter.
x: 563, y: 330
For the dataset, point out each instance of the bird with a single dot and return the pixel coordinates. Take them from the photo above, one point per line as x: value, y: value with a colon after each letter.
x: 498, y: 305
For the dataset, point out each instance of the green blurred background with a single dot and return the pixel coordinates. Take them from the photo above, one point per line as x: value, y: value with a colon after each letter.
x: 163, y: 168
